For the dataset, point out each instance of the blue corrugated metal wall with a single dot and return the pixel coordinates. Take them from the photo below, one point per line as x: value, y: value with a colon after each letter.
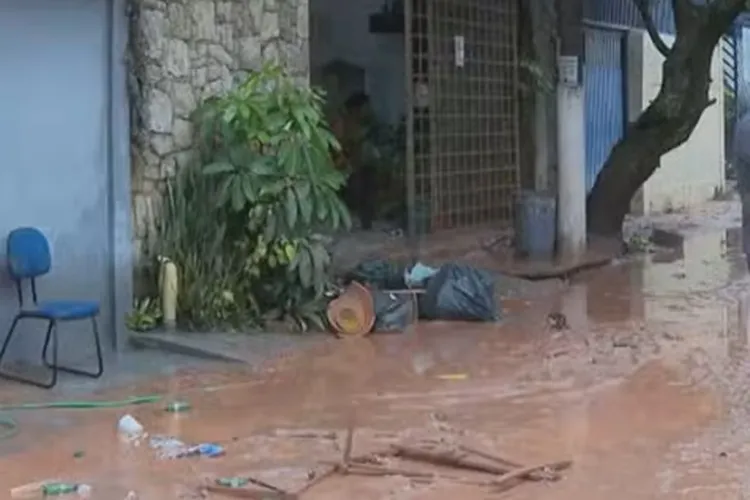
x: 604, y: 74
x: 604, y: 98
x: 624, y: 13
x: 601, y: 86
x: 743, y: 69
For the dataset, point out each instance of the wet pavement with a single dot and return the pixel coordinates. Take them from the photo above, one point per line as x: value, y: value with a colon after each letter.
x: 646, y: 392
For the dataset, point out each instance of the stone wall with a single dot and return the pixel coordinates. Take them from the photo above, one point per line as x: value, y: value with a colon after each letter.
x: 183, y: 51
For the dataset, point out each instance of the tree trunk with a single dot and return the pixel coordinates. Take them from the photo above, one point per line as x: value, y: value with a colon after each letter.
x: 670, y: 118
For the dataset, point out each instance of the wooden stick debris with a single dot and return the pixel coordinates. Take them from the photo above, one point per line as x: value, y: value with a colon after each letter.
x: 319, y: 478
x: 524, y: 472
x: 254, y: 494
x: 334, y: 468
x: 348, y: 445
x: 491, y: 456
x: 266, y: 485
x: 372, y: 458
x: 506, y: 472
x: 378, y: 470
x: 306, y: 434
x: 447, y: 459
x: 512, y: 464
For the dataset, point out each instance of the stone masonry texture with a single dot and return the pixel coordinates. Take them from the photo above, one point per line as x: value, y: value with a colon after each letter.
x: 183, y: 51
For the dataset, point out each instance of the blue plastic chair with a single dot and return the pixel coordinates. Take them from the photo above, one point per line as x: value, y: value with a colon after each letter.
x: 29, y: 258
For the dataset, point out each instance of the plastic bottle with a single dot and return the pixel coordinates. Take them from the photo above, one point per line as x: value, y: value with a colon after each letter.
x: 129, y: 428
x: 56, y: 489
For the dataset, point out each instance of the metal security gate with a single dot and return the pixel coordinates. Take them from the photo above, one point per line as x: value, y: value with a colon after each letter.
x: 604, y: 97
x: 462, y: 112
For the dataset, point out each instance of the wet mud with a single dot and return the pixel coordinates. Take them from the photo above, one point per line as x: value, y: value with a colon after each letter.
x: 645, y: 390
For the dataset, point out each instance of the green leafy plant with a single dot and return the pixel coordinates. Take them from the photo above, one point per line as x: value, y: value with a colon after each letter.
x: 196, y: 235
x: 265, y: 148
x: 145, y: 316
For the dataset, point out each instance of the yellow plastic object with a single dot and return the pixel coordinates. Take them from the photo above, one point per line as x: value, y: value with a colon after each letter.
x: 169, y: 293
x: 453, y: 376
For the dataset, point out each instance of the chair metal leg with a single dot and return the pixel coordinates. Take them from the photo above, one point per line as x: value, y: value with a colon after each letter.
x: 75, y: 371
x: 8, y: 337
x: 51, y: 334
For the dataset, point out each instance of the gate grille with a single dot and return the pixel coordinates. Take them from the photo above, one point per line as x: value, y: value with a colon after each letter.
x: 462, y: 65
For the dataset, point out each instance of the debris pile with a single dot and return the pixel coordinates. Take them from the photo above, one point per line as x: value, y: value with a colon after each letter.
x: 383, y: 297
x: 424, y: 461
x: 413, y: 456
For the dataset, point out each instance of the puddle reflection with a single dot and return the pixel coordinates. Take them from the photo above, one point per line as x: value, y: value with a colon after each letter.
x: 662, y: 286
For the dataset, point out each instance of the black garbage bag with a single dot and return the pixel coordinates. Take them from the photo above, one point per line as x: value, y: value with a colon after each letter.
x: 382, y: 274
x: 394, y: 312
x: 460, y: 293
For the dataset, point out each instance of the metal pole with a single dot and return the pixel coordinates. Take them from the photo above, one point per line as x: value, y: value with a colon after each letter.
x: 571, y: 178
x: 411, y: 184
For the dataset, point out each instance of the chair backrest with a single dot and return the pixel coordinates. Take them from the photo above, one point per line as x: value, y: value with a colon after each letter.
x: 28, y: 254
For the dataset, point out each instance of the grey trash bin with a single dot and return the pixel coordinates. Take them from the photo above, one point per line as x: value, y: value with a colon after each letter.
x: 535, y: 219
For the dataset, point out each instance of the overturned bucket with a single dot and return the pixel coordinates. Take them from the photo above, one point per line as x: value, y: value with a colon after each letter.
x: 352, y: 314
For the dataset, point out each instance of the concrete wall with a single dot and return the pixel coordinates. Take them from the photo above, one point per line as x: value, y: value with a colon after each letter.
x: 183, y: 51
x: 64, y: 154
x: 690, y: 174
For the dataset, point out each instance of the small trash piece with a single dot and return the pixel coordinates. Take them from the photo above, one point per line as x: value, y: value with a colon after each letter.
x: 178, y: 407
x: 132, y: 495
x: 453, y: 376
x: 210, y: 450
x: 129, y: 428
x: 168, y: 447
x: 83, y: 491
x: 417, y: 276
x: 79, y: 454
x: 557, y: 321
x: 232, y: 482
x: 394, y: 312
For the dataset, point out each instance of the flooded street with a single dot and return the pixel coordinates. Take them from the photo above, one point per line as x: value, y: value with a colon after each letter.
x: 646, y: 392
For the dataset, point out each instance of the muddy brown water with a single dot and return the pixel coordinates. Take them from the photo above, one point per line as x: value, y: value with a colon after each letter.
x: 645, y: 393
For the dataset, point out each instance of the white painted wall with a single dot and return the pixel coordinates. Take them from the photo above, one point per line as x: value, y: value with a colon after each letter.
x: 340, y: 30
x: 690, y: 174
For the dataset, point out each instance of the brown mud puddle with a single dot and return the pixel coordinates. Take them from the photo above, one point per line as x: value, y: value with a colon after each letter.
x: 628, y: 393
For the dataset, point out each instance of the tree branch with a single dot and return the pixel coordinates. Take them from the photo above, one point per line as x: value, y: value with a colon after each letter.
x: 731, y: 6
x: 689, y: 13
x: 648, y: 22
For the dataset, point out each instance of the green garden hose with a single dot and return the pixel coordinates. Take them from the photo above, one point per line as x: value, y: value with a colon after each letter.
x: 83, y: 405
x: 9, y: 427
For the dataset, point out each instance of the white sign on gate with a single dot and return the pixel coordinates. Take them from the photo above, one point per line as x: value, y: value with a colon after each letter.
x: 567, y: 67
x: 459, y: 50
